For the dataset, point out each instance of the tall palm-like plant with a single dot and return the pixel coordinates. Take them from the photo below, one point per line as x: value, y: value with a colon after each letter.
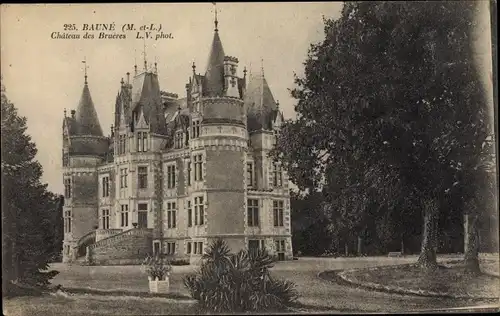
x: 238, y: 282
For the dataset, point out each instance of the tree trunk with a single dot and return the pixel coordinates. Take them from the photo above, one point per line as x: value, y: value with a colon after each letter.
x: 427, y: 258
x: 346, y: 249
x: 360, y: 246
x: 471, y: 259
x: 466, y: 233
x: 402, y: 247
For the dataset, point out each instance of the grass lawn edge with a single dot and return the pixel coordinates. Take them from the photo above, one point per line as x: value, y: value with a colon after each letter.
x: 340, y: 276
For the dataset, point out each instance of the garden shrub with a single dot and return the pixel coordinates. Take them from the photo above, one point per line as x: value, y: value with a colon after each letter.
x: 238, y: 282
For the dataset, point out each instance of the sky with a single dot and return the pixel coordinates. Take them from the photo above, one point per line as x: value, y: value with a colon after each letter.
x: 44, y: 76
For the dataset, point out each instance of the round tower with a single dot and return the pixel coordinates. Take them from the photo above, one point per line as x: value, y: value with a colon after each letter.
x: 222, y: 146
x: 84, y: 148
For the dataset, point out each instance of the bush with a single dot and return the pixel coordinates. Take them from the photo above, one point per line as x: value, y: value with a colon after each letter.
x: 157, y: 267
x: 238, y: 282
x: 179, y: 262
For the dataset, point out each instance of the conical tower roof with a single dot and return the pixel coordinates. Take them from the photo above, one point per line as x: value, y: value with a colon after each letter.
x: 259, y: 102
x: 86, y: 115
x: 214, y: 76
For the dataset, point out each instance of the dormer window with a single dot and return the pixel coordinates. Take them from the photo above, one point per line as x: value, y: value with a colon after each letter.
x: 142, y: 141
x: 196, y: 129
x: 178, y: 140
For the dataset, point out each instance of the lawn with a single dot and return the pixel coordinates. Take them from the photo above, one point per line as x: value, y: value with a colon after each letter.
x: 123, y: 290
x: 449, y: 279
x: 83, y: 305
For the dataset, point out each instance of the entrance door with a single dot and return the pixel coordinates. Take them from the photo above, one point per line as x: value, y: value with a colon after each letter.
x: 142, y: 219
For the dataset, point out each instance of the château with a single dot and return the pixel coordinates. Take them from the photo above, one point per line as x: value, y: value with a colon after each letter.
x: 176, y: 172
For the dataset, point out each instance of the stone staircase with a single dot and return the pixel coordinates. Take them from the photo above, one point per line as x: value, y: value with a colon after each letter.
x: 127, y: 247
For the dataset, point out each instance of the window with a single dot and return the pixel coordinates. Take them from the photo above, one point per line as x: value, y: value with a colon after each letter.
x: 171, y: 177
x: 142, y: 141
x: 199, y: 215
x: 123, y: 178
x: 250, y: 174
x: 190, y: 214
x: 67, y: 188
x: 67, y: 221
x: 198, y: 247
x: 142, y: 215
x: 170, y: 248
x: 256, y: 244
x: 122, y: 144
x: 280, y: 249
x: 188, y: 250
x: 196, y: 129
x: 142, y: 173
x: 189, y: 173
x: 178, y: 139
x: 253, y: 212
x: 124, y: 216
x: 198, y: 171
x: 171, y: 216
x: 105, y: 186
x: 277, y: 175
x: 278, y: 213
x: 105, y: 219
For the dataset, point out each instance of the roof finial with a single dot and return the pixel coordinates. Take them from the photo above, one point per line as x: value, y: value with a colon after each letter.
x: 245, y: 72
x: 122, y: 81
x: 128, y: 77
x: 156, y: 66
x: 194, y: 68
x: 278, y: 104
x: 135, y: 62
x: 216, y: 22
x: 262, y: 67
x: 85, y: 68
x: 64, y: 112
x: 144, y: 53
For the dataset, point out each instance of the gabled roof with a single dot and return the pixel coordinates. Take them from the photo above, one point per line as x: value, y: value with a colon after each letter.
x: 86, y: 116
x: 214, y: 76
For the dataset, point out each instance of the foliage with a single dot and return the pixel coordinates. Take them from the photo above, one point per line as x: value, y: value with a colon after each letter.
x: 32, y: 232
x: 179, y: 262
x: 157, y: 267
x: 391, y: 115
x: 238, y: 282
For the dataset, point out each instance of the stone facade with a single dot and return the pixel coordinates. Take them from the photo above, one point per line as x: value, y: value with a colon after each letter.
x: 180, y: 171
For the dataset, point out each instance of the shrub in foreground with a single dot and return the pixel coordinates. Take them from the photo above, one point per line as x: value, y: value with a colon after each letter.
x: 238, y: 282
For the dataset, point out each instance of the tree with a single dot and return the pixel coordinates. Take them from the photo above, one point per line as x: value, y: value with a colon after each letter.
x: 391, y: 115
x: 27, y: 207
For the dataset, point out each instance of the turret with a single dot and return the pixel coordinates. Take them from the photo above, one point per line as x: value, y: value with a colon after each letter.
x: 230, y: 76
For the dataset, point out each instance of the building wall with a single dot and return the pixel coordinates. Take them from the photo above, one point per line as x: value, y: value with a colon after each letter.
x: 225, y: 192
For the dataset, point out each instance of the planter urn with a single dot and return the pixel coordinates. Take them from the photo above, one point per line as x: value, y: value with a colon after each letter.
x: 159, y: 286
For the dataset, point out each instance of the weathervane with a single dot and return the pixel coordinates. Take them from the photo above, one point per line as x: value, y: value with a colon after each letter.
x: 144, y: 53
x: 85, y: 68
x: 216, y: 22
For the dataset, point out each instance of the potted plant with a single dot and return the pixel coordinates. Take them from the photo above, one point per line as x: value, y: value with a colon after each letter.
x: 158, y: 270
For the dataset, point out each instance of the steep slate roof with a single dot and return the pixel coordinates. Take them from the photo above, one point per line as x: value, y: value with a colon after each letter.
x: 146, y: 96
x: 214, y: 76
x: 86, y: 118
x: 122, y: 104
x: 260, y: 103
